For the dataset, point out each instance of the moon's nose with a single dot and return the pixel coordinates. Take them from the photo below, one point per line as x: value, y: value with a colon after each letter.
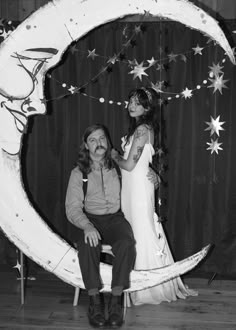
x: 15, y: 82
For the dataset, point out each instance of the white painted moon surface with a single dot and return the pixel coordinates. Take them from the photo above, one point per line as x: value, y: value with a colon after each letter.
x: 25, y: 56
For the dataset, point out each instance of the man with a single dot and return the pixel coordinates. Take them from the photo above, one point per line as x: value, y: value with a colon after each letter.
x: 100, y: 221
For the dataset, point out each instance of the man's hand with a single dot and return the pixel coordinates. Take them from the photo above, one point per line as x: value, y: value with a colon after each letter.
x: 154, y: 177
x: 91, y: 235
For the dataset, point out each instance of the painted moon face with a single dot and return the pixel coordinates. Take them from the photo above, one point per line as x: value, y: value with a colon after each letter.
x: 25, y: 56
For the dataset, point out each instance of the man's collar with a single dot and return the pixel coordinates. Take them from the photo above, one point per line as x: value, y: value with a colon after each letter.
x: 97, y: 165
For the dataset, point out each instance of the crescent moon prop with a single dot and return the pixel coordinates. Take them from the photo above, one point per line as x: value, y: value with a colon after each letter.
x: 25, y: 56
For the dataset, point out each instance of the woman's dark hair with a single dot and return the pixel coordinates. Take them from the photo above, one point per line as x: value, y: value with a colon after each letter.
x: 84, y: 161
x: 149, y: 99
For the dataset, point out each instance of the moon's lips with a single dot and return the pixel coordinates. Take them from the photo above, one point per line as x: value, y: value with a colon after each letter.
x: 25, y: 56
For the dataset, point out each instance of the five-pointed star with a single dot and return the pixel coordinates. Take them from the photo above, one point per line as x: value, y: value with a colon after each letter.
x: 139, y: 71
x: 152, y: 61
x: 187, y: 93
x: 197, y: 50
x: 216, y: 69
x: 214, y: 146
x: 133, y: 63
x: 218, y: 83
x: 215, y: 126
x: 73, y: 49
x: 137, y: 29
x: 160, y: 67
x: 112, y: 59
x: 172, y: 57
x: 158, y: 86
x: 92, y: 54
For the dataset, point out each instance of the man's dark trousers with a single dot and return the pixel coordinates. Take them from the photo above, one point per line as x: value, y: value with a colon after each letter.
x: 116, y: 231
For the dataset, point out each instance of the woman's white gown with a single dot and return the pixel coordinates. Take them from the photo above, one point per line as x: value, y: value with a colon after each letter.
x: 138, y: 205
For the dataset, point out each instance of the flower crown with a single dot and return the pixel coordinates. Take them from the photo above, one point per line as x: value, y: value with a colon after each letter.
x: 149, y: 95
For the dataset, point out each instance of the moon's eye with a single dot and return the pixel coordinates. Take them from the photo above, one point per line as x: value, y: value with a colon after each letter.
x: 46, y: 34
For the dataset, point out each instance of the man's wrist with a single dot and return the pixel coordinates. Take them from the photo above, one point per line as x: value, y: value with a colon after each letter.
x: 88, y: 225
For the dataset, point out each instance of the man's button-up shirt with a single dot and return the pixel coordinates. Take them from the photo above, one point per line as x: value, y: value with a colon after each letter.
x: 102, y: 197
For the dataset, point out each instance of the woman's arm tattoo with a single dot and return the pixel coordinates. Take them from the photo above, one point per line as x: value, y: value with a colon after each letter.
x: 140, y: 132
x: 138, y: 154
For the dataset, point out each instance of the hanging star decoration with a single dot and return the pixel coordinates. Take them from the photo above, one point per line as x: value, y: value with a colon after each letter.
x: 152, y: 62
x: 172, y: 57
x: 218, y: 83
x: 73, y: 49
x: 139, y: 71
x: 215, y: 69
x: 92, y: 54
x: 132, y: 63
x: 197, y: 50
x: 215, y: 126
x: 17, y: 266
x: 160, y: 67
x: 112, y: 60
x: 158, y: 86
x: 72, y: 89
x: 137, y: 29
x: 214, y: 146
x: 187, y: 93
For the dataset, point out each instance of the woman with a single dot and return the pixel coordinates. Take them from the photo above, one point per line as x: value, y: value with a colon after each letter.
x: 137, y: 196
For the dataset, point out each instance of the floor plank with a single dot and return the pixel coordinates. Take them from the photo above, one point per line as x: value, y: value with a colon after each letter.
x: 48, y: 305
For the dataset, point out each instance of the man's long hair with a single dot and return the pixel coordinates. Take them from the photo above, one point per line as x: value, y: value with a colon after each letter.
x: 84, y: 161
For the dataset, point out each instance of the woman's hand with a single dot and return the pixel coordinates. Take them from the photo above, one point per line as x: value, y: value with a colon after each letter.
x: 115, y: 155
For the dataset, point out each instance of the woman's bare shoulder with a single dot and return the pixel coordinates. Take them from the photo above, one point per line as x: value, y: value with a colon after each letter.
x: 141, y: 130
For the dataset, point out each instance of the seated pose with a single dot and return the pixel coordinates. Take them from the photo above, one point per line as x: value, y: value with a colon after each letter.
x: 137, y: 196
x: 100, y: 221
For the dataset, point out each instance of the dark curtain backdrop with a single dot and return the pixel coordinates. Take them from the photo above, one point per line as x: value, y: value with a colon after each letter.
x: 198, y: 197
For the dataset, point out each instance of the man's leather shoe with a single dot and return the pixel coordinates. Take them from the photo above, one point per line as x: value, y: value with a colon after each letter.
x: 115, y: 312
x: 96, y: 314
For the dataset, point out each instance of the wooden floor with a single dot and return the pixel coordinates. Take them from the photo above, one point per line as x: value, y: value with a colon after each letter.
x: 48, y: 305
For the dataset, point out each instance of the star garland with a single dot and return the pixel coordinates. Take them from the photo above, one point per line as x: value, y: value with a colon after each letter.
x: 138, y: 70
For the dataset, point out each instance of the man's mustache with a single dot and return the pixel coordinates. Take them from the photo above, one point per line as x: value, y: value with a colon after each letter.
x: 100, y: 147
